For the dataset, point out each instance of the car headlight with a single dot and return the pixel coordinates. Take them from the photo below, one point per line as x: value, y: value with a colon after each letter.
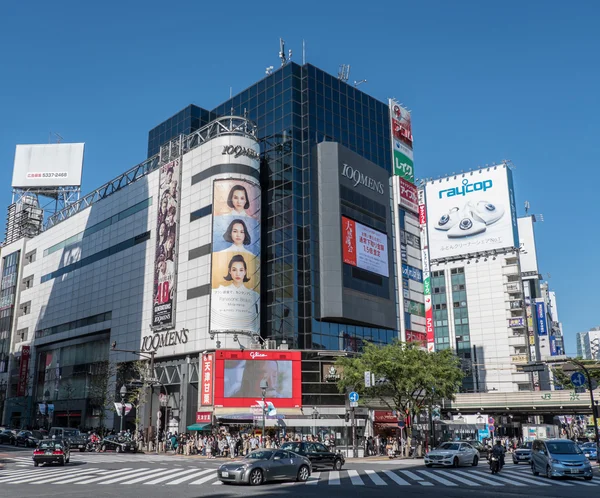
x: 586, y: 462
x: 554, y: 460
x: 242, y: 467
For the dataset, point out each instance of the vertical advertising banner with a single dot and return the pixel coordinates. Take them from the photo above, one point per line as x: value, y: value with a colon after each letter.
x: 23, y: 370
x: 402, y: 142
x: 364, y: 247
x: 165, y: 259
x: 430, y: 333
x: 540, y: 313
x: 208, y: 373
x: 408, y: 196
x: 235, y: 295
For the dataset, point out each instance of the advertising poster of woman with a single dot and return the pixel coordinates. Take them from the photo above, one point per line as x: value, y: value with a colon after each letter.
x: 235, y: 296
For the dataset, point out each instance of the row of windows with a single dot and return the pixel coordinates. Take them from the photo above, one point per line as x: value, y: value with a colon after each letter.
x: 75, y: 324
x: 122, y: 246
x: 78, y: 237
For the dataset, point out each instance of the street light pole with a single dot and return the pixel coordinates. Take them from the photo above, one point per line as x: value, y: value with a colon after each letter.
x: 264, y: 385
x: 123, y: 394
x: 315, y: 416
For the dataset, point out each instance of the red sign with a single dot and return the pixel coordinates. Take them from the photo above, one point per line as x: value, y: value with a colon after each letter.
x: 238, y: 375
x: 207, y: 375
x: 412, y: 336
x: 349, y: 241
x: 382, y: 416
x: 409, y: 196
x: 422, y: 214
x: 203, y: 417
x: 23, y: 369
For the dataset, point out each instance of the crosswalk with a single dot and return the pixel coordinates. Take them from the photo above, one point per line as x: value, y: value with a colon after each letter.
x: 195, y: 476
x: 98, y: 458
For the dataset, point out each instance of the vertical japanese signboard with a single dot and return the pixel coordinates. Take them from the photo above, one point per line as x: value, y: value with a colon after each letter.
x: 23, y: 369
x: 208, y: 367
x: 426, y: 272
x: 165, y: 259
x: 402, y: 141
x: 540, y: 313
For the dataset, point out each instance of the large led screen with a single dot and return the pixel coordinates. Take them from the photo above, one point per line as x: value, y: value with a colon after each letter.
x: 364, y: 247
x: 235, y: 296
x: 238, y: 376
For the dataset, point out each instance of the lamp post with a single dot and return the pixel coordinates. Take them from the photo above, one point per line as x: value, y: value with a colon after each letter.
x: 264, y: 385
x: 315, y: 416
x: 123, y: 394
x: 47, y: 412
x: 3, y: 386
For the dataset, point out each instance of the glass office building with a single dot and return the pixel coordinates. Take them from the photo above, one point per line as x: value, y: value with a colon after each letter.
x: 296, y: 108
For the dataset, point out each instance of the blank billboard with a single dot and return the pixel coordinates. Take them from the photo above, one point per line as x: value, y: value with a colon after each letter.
x: 48, y: 165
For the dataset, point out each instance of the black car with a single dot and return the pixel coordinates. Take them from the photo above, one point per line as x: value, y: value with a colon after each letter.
x: 52, y: 451
x: 483, y: 450
x: 118, y: 444
x: 7, y: 437
x: 317, y: 453
x: 29, y: 439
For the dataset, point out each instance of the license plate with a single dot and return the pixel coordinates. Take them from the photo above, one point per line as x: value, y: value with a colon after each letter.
x: 224, y: 474
x: 48, y: 453
x: 573, y: 471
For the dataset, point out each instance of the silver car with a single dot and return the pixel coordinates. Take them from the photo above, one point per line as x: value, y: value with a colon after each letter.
x: 452, y: 455
x: 559, y: 458
x: 265, y: 465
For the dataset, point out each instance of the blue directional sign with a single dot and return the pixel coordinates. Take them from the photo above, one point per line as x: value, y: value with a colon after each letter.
x: 353, y: 396
x: 577, y: 379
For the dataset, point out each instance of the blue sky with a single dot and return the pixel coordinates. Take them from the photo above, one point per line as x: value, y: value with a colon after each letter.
x: 485, y: 82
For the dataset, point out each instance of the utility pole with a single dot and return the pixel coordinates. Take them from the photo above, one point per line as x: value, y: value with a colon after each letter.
x: 354, y: 442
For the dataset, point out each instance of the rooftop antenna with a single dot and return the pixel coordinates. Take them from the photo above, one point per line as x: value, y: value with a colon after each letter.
x: 356, y: 83
x: 344, y: 72
x: 282, y: 56
x: 230, y: 92
x: 59, y: 138
x: 303, y: 53
x: 269, y: 70
x: 527, y: 206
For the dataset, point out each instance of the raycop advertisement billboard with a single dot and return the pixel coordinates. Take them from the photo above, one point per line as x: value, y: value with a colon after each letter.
x: 238, y: 375
x: 364, y: 247
x: 48, y: 165
x: 165, y: 258
x: 471, y: 213
x: 235, y: 281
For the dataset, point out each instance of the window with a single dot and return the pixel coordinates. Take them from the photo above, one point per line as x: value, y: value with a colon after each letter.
x: 30, y: 257
x: 25, y: 308
x: 28, y: 282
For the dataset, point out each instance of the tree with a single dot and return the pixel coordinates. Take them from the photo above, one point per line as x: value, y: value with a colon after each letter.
x: 103, y: 388
x: 134, y: 375
x: 562, y: 375
x: 407, y: 378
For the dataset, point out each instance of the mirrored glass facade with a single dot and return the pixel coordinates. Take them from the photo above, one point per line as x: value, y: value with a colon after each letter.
x: 295, y: 108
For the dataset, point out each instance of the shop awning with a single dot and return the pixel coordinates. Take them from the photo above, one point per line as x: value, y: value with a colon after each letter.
x: 198, y: 427
x: 391, y: 425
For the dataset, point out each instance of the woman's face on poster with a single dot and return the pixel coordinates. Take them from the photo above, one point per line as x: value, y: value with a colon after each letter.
x: 238, y: 199
x: 269, y: 373
x: 165, y: 205
x: 162, y: 230
x: 238, y: 234
x: 238, y: 272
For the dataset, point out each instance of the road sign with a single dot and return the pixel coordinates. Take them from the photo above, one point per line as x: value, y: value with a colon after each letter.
x: 128, y: 407
x: 577, y: 379
x: 367, y: 379
x: 531, y: 368
x: 118, y: 408
x: 353, y: 396
x: 401, y: 424
x: 353, y: 404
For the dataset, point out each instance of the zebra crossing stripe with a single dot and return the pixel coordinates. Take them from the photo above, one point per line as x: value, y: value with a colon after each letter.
x: 397, y: 479
x: 415, y: 477
x: 181, y: 479
x: 85, y: 480
x: 439, y: 479
x: 355, y: 478
x: 485, y: 480
x: 502, y: 479
x: 217, y: 483
x: 583, y: 483
x: 334, y: 478
x: 145, y: 473
x: 458, y: 478
x: 212, y: 475
x: 169, y: 474
x: 205, y: 478
x: 528, y: 479
x: 314, y: 478
x: 46, y: 479
x: 541, y: 479
x: 378, y: 481
x: 31, y: 475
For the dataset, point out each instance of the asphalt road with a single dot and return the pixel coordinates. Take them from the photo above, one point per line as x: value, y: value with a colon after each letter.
x: 133, y: 475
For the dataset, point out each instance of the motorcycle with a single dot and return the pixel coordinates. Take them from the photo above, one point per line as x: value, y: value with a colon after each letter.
x: 494, y: 464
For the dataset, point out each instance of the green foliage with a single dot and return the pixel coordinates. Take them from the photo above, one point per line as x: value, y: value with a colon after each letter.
x: 406, y: 376
x: 562, y: 377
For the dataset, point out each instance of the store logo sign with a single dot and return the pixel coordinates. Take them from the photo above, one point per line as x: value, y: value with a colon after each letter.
x: 238, y: 150
x: 256, y: 354
x: 467, y: 188
x: 361, y: 179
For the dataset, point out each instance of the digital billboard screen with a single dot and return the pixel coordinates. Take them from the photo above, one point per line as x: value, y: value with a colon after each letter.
x: 471, y: 213
x: 364, y: 247
x: 238, y: 375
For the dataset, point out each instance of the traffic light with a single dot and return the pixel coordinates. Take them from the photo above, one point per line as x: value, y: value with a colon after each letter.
x: 347, y: 416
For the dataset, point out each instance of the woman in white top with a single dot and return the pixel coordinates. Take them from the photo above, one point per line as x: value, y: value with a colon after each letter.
x: 237, y: 234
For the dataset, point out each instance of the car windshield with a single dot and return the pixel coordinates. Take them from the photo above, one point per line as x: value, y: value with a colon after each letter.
x: 563, y: 448
x: 449, y: 447
x: 526, y: 446
x: 297, y: 447
x: 71, y: 433
x: 259, y: 455
x: 49, y: 445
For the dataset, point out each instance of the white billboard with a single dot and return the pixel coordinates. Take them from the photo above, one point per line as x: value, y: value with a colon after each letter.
x: 471, y: 213
x: 364, y: 247
x: 48, y: 165
x: 528, y: 255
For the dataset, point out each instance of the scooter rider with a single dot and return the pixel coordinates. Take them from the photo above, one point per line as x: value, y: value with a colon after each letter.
x: 498, y: 451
